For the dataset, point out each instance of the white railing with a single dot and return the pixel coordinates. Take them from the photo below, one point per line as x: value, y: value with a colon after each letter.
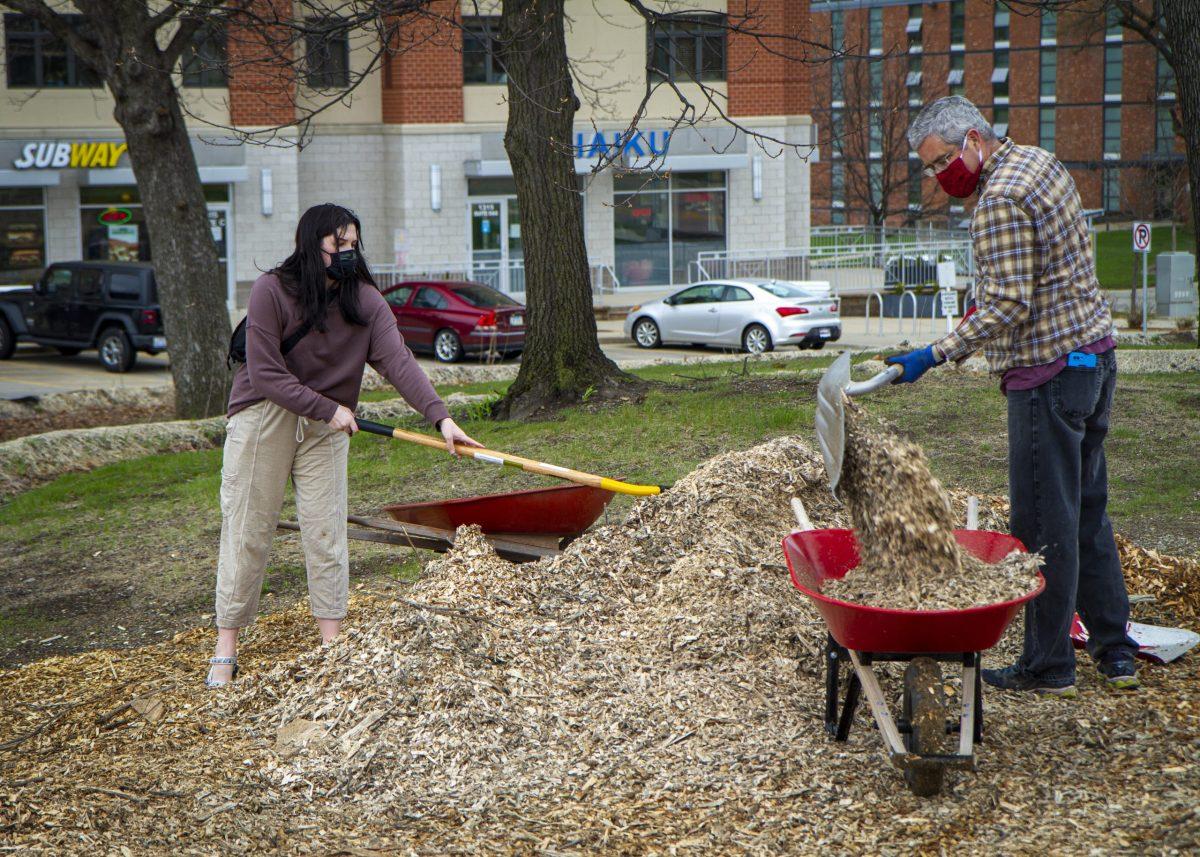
x: 508, y: 277
x: 839, y: 238
x: 860, y: 269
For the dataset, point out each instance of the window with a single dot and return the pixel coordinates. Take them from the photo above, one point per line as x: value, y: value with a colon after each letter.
x: 875, y: 136
x: 1113, y: 32
x: 1164, y: 79
x: 1112, y: 71
x: 838, y: 80
x: 733, y: 293
x: 913, y: 81
x: 1112, y: 131
x: 327, y: 53
x: 837, y: 23
x: 1000, y: 24
x: 478, y: 295
x: 36, y: 58
x: 957, y: 70
x: 876, y: 75
x: 661, y: 223
x: 915, y: 196
x: 124, y: 286
x: 914, y: 25
x: 22, y: 234
x: 205, y: 59
x: 698, y: 295
x: 1049, y: 26
x: 481, y: 51
x: 1000, y: 121
x: 958, y: 22
x: 58, y: 283
x: 837, y: 182
x: 87, y: 284
x: 399, y: 297
x: 1164, y: 130
x: 1046, y: 127
x: 688, y: 50
x: 1000, y: 76
x: 428, y: 298
x: 1111, y: 190
x: 129, y: 241
x: 875, y: 27
x: 1049, y: 73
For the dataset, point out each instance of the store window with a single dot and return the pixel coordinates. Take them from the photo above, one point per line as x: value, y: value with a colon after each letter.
x: 661, y: 223
x: 481, y: 51
x: 36, y: 58
x: 688, y: 50
x: 205, y: 60
x: 113, y: 224
x: 22, y: 235
x: 327, y: 52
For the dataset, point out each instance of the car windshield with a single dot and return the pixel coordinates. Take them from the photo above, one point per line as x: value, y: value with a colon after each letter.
x: 791, y: 290
x: 482, y: 296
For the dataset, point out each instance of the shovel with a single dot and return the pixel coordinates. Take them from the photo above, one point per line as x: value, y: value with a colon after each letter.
x: 489, y: 456
x: 831, y: 417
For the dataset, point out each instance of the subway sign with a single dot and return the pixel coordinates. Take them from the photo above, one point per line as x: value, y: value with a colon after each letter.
x: 55, y: 155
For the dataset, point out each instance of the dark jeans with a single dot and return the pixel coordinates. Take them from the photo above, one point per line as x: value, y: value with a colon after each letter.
x: 1058, y: 487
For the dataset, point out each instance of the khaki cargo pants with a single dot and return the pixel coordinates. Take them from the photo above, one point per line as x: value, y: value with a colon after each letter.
x: 264, y: 445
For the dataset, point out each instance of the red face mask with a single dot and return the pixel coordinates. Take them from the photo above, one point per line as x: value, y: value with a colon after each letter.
x: 957, y: 180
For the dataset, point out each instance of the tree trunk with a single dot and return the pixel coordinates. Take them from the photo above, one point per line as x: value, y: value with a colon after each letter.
x: 562, y: 362
x: 190, y: 289
x: 1179, y: 30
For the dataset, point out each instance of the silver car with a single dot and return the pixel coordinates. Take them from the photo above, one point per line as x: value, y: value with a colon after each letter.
x: 754, y: 315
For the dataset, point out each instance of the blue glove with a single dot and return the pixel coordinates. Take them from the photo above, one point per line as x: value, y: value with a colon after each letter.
x: 914, y: 363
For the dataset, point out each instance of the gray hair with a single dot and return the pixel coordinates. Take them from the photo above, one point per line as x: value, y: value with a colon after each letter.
x: 949, y: 119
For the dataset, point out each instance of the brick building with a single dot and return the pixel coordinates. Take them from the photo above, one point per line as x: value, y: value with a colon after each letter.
x: 1095, y: 95
x: 417, y: 149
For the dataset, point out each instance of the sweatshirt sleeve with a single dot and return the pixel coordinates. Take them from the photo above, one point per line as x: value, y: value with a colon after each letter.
x: 391, y: 358
x: 269, y: 374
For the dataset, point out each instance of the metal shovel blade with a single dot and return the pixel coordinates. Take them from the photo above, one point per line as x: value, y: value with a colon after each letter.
x: 831, y: 415
x: 831, y: 425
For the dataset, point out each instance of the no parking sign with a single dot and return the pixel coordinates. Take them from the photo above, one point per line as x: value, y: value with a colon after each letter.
x: 1141, y: 237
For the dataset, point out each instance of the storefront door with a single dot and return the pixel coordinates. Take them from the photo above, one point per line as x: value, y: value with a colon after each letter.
x: 496, y: 247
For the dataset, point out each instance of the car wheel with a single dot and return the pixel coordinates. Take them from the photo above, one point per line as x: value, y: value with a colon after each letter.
x: 645, y: 333
x: 756, y: 340
x: 116, y: 351
x: 67, y: 352
x: 818, y: 345
x: 8, y: 342
x: 447, y: 347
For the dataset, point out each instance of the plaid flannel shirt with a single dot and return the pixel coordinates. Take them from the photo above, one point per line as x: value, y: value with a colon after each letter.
x: 1036, y: 293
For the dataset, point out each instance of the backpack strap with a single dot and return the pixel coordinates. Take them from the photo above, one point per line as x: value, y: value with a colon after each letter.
x: 293, y: 340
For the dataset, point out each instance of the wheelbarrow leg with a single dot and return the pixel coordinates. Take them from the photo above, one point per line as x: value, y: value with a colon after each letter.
x: 978, y: 663
x: 851, y: 705
x: 833, y: 676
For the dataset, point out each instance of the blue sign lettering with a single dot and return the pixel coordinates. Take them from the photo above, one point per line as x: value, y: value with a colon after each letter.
x: 600, y: 143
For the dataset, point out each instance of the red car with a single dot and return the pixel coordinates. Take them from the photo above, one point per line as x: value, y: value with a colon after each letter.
x: 452, y: 319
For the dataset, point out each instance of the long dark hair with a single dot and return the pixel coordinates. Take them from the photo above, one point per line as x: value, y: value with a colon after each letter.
x: 302, y: 274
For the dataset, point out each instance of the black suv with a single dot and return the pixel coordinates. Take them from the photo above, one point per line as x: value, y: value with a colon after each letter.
x: 109, y: 306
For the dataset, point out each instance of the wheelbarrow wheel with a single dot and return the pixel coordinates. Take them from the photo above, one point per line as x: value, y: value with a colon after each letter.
x: 925, y: 711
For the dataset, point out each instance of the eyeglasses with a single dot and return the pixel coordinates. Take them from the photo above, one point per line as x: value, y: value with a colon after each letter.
x: 940, y: 164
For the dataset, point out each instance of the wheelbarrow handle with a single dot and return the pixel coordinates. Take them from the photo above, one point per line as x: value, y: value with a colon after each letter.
x: 887, y: 376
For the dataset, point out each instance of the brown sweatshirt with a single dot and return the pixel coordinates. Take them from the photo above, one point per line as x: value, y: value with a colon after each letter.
x: 324, y: 370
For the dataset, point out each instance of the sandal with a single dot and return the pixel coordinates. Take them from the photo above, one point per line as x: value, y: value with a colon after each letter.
x: 211, y: 682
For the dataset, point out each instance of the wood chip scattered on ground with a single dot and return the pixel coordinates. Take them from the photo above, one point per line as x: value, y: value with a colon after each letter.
x: 655, y: 689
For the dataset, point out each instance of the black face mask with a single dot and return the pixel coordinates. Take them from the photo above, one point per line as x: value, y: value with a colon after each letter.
x: 343, y: 265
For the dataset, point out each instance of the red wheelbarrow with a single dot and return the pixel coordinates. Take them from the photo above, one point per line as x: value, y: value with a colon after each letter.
x: 521, y: 525
x: 922, y: 638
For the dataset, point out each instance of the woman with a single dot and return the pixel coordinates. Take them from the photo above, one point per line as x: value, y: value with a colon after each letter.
x: 293, y: 416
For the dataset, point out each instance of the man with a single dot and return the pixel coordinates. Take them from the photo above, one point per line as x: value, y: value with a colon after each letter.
x: 1045, y: 328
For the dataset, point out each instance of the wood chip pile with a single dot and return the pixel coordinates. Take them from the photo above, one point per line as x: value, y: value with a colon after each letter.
x: 905, y: 525
x: 655, y: 689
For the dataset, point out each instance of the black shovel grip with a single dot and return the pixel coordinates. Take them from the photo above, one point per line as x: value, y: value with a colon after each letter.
x: 374, y: 427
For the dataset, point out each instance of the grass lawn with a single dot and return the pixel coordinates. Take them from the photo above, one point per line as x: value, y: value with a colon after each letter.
x: 1116, y: 265
x: 135, y: 544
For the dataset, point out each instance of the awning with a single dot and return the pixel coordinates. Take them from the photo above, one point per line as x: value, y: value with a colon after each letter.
x: 208, y: 175
x: 29, y: 178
